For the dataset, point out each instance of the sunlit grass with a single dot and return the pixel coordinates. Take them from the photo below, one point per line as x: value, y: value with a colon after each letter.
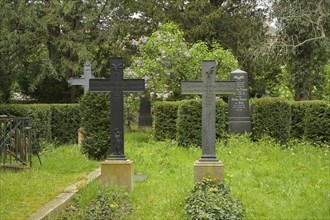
x: 25, y: 191
x: 273, y: 182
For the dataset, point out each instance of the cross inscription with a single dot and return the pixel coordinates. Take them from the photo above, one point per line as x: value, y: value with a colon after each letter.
x: 83, y: 81
x: 208, y: 88
x: 116, y: 85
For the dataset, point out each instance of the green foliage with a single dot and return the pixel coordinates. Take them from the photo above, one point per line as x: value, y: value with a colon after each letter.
x: 271, y: 117
x: 103, y: 202
x: 164, y: 120
x: 65, y: 122
x: 317, y: 123
x: 50, y: 122
x: 165, y: 59
x: 211, y: 199
x: 95, y: 121
x: 189, y: 122
x: 298, y: 110
x: 304, y: 47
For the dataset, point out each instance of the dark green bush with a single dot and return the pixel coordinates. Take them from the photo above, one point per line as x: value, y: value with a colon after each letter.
x: 65, y: 122
x: 317, y: 123
x: 95, y: 120
x: 189, y: 122
x: 271, y: 117
x: 298, y: 110
x: 211, y: 199
x: 164, y: 120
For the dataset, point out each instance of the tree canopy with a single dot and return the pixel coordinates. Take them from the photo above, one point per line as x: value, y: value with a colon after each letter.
x: 44, y: 42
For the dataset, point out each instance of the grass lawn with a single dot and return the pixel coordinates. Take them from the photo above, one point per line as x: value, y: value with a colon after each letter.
x: 25, y: 191
x: 271, y: 182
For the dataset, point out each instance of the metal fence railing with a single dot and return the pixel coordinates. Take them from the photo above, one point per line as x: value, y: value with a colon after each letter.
x: 16, y: 141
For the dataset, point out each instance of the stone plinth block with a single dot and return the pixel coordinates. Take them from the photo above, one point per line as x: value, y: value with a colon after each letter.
x: 118, y: 172
x: 81, y: 135
x: 214, y: 170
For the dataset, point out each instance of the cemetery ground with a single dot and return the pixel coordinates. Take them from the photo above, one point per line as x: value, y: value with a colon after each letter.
x: 272, y: 181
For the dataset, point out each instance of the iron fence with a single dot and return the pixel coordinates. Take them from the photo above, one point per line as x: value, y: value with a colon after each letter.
x: 16, y: 141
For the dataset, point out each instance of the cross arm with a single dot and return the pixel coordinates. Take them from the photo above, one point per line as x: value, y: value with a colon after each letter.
x: 192, y: 87
x: 76, y: 81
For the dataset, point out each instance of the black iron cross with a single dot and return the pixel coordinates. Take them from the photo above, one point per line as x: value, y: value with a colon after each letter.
x: 116, y: 85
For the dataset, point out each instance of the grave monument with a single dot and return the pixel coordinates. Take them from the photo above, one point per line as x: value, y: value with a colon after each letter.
x: 239, y: 120
x: 117, y: 169
x: 84, y: 82
x: 208, y: 164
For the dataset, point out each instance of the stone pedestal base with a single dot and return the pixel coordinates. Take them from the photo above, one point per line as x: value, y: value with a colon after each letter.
x: 80, y: 136
x: 118, y: 172
x: 214, y: 170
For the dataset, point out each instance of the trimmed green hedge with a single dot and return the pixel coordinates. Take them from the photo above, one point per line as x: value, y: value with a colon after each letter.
x: 164, y: 120
x: 274, y: 117
x: 95, y: 120
x: 65, y: 122
x: 50, y: 122
x: 271, y: 117
x: 317, y: 122
x: 189, y: 122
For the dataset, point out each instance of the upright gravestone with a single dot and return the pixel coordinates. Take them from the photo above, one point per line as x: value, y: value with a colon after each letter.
x: 117, y: 169
x: 145, y: 119
x: 83, y: 81
x: 208, y: 164
x: 239, y: 120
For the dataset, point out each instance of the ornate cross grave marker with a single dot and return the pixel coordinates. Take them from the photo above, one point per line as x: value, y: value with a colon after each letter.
x: 116, y: 85
x: 208, y: 88
x: 208, y: 163
x: 83, y: 81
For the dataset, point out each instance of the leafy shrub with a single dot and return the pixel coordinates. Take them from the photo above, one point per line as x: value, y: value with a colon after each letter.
x: 272, y: 117
x: 211, y: 199
x: 317, y: 123
x: 106, y: 203
x: 189, y: 122
x: 95, y: 120
x: 164, y: 120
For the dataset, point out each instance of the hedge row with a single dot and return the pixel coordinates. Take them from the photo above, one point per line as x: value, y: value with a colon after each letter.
x: 50, y: 122
x: 189, y: 122
x: 271, y: 117
x: 164, y: 120
x: 277, y: 118
x: 95, y: 120
x: 182, y: 121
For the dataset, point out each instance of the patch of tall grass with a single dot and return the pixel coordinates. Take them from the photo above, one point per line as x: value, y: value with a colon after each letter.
x: 25, y: 191
x: 272, y: 181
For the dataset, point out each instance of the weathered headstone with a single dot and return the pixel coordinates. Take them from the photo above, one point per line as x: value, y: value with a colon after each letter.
x: 239, y: 120
x: 116, y: 85
x: 145, y: 119
x: 208, y: 163
x: 83, y: 81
